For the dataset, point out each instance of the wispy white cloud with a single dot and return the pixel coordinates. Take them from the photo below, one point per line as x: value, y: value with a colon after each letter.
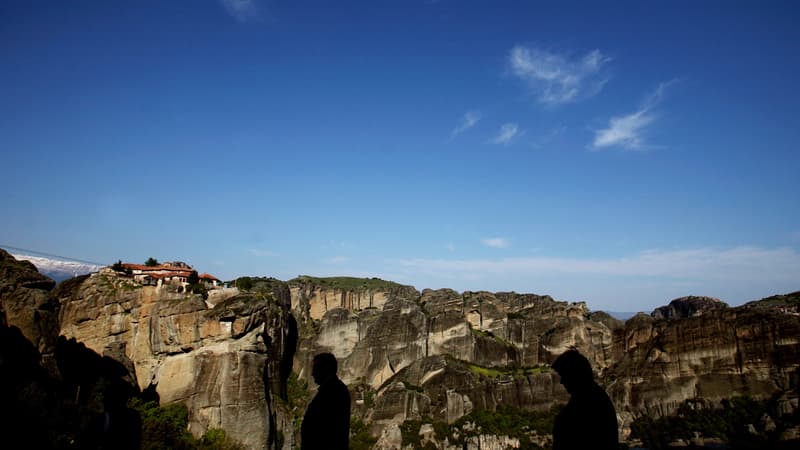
x: 469, y: 120
x: 243, y: 10
x: 450, y: 247
x: 508, y: 132
x: 744, y: 263
x: 558, y: 78
x: 626, y: 131
x: 496, y: 242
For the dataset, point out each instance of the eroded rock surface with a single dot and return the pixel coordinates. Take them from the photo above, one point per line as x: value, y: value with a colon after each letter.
x: 211, y: 359
x: 407, y: 355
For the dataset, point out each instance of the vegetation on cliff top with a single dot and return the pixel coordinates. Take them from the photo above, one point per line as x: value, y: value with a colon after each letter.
x: 791, y: 301
x: 255, y: 283
x: 346, y: 283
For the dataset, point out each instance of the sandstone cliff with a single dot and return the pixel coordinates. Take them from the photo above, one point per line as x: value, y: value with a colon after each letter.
x: 430, y: 359
x: 227, y: 363
x: 751, y: 350
x: 211, y: 359
x: 439, y: 355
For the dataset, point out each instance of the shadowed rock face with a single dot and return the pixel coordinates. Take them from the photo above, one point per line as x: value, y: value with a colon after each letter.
x: 211, y: 359
x: 26, y: 303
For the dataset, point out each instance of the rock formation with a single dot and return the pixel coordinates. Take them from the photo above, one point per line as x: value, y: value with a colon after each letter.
x: 441, y: 355
x: 225, y: 363
x: 433, y: 358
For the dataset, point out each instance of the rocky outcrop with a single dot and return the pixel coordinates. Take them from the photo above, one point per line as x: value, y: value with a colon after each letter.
x: 314, y: 297
x: 659, y: 363
x: 440, y: 354
x: 690, y: 306
x: 443, y: 354
x: 213, y: 360
x: 26, y: 303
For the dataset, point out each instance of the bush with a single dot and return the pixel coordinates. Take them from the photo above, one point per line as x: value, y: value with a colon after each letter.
x: 360, y: 439
x: 216, y: 439
x: 118, y: 267
x: 728, y: 422
x: 243, y: 283
x: 163, y: 427
x: 198, y: 288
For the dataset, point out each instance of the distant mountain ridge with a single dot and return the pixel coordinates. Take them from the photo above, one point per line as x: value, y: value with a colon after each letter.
x: 621, y: 315
x: 59, y: 269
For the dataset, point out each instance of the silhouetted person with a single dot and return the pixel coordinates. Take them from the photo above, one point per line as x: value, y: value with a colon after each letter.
x: 326, y: 424
x: 589, y: 420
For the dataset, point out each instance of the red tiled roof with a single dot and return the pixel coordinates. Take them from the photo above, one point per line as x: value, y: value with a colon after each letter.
x: 167, y: 275
x: 172, y: 271
x: 162, y: 268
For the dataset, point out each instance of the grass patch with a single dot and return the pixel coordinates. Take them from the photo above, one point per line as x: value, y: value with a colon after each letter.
x: 490, y: 335
x: 506, y: 372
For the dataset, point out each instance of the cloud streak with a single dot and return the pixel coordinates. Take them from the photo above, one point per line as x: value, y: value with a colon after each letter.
x: 242, y: 10
x: 744, y: 263
x: 469, y: 120
x: 508, y: 132
x: 497, y: 242
x: 556, y: 78
x: 626, y: 131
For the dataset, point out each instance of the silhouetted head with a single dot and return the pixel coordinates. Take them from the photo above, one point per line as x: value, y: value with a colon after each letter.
x: 325, y: 366
x: 574, y: 370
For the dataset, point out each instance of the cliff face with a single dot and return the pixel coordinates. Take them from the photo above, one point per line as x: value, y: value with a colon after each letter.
x: 434, y: 355
x: 441, y: 354
x: 227, y: 363
x: 27, y: 303
x: 658, y: 363
x: 211, y: 359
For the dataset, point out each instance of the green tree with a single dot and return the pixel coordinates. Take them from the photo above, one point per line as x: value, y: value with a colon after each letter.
x: 193, y: 278
x: 151, y: 262
x: 244, y: 283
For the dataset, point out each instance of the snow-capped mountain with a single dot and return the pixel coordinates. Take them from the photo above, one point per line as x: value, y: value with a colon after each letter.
x: 59, y: 270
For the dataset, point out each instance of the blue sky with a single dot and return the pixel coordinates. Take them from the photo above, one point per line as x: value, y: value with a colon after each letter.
x: 622, y: 156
